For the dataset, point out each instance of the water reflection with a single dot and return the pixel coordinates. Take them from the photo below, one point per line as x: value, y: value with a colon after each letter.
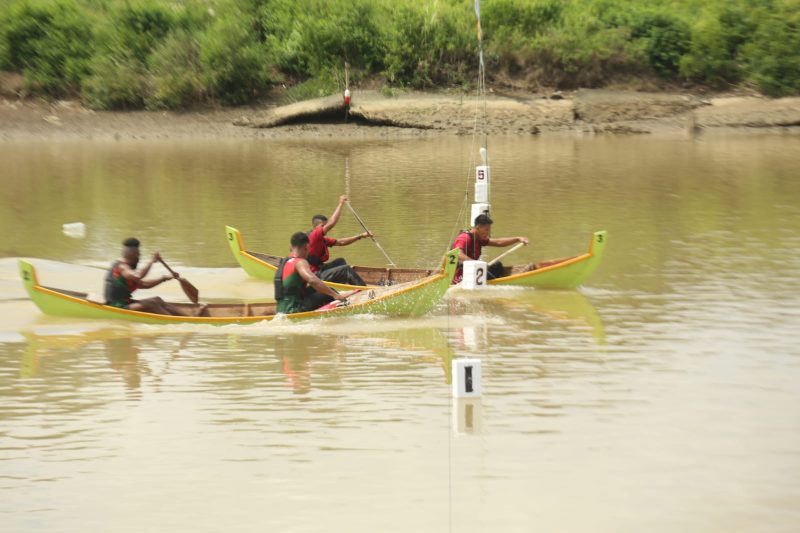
x: 688, y: 324
x: 467, y: 416
x: 299, y: 353
x: 569, y: 309
x: 47, y: 355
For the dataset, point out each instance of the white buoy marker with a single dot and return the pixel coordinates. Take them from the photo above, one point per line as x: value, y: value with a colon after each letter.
x: 466, y: 378
x: 475, y: 274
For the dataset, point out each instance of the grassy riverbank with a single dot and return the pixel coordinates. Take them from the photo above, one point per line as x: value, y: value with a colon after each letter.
x: 136, y: 54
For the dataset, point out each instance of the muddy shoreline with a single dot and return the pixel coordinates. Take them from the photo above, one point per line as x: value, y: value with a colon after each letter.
x: 374, y: 115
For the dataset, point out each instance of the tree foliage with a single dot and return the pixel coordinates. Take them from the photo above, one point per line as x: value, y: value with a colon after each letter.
x: 155, y: 54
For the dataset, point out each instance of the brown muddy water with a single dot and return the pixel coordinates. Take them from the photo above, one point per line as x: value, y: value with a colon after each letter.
x: 664, y: 395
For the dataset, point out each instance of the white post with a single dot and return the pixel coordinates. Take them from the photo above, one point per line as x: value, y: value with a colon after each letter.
x: 474, y: 276
x: 478, y: 209
x: 482, y: 174
x: 466, y: 378
x: 480, y: 204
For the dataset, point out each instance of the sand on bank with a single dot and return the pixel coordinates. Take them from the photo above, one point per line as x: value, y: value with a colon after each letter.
x: 411, y: 115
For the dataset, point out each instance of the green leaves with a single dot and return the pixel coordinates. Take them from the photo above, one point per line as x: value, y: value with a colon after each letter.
x: 49, y: 41
x: 150, y: 53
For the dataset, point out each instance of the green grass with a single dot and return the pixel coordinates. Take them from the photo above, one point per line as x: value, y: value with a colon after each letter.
x: 154, y: 54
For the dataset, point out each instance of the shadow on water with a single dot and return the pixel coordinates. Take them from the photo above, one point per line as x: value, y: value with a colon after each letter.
x: 566, y: 308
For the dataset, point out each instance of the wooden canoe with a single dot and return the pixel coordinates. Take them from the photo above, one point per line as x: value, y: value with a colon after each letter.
x: 562, y: 273
x: 405, y: 299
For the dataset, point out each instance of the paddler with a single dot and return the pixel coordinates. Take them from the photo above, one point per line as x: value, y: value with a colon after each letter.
x: 297, y: 288
x: 337, y: 271
x: 470, y: 244
x: 123, y: 279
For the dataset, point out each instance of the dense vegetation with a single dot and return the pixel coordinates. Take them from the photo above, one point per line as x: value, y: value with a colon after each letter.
x: 127, y: 54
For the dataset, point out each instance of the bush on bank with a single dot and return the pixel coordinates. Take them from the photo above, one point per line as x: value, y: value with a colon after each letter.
x: 131, y: 54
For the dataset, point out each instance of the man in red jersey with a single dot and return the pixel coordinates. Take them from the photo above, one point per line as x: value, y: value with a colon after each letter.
x: 337, y: 271
x: 470, y: 245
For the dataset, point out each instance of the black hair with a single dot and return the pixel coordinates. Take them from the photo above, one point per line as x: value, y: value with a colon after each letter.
x: 483, y: 220
x: 299, y: 239
x: 131, y: 243
x: 318, y: 217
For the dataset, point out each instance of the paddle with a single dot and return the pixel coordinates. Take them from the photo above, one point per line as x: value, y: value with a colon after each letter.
x: 191, y: 291
x: 370, y: 234
x: 499, y: 257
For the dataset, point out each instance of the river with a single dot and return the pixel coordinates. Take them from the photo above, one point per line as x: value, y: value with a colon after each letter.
x: 663, y: 395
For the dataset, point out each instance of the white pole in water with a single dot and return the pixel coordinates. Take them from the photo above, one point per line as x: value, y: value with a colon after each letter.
x: 474, y: 275
x: 466, y: 378
x: 476, y: 272
x: 481, y: 204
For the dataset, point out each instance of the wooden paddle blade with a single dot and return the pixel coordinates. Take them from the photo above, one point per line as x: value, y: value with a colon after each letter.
x: 190, y: 290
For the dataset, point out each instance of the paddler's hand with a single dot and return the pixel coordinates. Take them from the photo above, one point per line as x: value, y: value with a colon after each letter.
x: 342, y: 199
x: 523, y: 240
x: 366, y: 235
x: 156, y: 257
x: 341, y: 297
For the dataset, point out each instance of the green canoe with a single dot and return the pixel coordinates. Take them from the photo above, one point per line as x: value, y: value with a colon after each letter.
x: 406, y: 299
x: 563, y: 273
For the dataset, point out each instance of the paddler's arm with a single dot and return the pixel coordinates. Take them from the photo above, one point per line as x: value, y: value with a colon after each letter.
x: 354, y: 238
x: 131, y: 275
x: 150, y: 283
x: 335, y: 216
x: 305, y: 272
x: 507, y: 241
x: 144, y: 270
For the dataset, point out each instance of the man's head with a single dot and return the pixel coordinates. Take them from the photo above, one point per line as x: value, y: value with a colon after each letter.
x: 299, y: 243
x: 317, y: 220
x: 483, y: 226
x: 130, y: 251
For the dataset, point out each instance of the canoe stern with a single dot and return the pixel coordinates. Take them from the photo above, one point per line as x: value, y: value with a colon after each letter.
x: 254, y: 267
x: 565, y: 275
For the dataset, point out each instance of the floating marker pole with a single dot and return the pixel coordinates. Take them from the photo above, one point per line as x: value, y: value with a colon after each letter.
x: 475, y: 274
x: 467, y: 412
x: 481, y: 205
x: 466, y: 378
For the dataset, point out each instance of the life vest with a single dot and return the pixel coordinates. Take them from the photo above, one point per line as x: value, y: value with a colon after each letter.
x: 117, y: 288
x: 472, y: 244
x: 289, y: 287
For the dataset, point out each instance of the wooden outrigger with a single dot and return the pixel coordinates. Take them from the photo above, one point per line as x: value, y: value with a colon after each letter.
x: 563, y: 273
x: 413, y: 298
